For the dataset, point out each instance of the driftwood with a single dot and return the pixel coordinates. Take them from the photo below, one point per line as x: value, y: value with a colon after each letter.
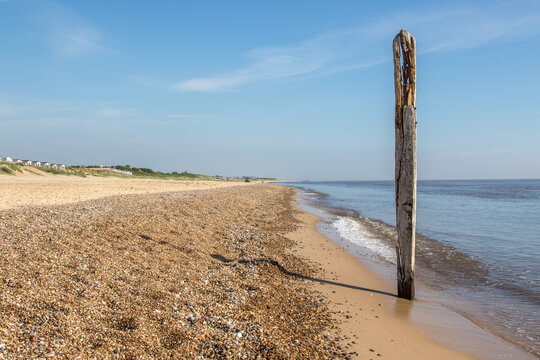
x: 404, y: 49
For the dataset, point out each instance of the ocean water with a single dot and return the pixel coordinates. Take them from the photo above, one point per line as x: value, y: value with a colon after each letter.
x: 478, y: 244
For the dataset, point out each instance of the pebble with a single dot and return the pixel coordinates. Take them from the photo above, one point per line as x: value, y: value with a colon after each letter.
x: 169, y: 275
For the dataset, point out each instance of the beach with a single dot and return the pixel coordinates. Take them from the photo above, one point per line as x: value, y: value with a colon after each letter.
x: 221, y: 270
x: 179, y: 274
x: 373, y: 322
x: 476, y: 254
x: 29, y: 189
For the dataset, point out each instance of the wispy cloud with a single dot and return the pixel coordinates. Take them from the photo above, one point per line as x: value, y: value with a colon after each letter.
x: 68, y: 34
x: 268, y: 63
x: 470, y: 28
x: 72, y: 41
x: 115, y: 112
x: 186, y: 119
x: 344, y: 50
x: 187, y: 116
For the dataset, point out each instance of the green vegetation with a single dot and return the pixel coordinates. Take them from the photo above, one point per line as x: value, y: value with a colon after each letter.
x: 11, y: 166
x: 6, y: 171
x: 116, y: 171
x: 103, y: 173
x: 149, y: 173
x: 63, y: 172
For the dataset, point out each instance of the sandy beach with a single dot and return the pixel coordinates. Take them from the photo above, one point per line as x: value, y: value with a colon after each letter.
x: 373, y: 322
x: 111, y: 268
x: 47, y: 189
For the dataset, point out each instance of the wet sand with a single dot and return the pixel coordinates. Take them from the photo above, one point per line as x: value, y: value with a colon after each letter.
x: 375, y: 323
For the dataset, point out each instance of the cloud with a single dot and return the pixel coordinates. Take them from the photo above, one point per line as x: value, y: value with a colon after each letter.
x: 266, y: 64
x: 66, y: 33
x: 470, y: 28
x: 72, y: 41
x: 146, y: 80
x: 441, y: 29
x: 187, y: 116
x: 115, y: 112
x: 186, y: 119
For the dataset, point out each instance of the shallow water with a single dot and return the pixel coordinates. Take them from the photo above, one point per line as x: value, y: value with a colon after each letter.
x: 478, y: 244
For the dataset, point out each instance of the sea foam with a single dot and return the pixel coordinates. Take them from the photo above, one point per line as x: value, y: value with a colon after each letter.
x: 351, y: 230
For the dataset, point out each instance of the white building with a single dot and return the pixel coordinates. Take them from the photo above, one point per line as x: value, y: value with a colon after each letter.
x: 28, y: 162
x: 46, y: 164
x: 125, y: 172
x: 9, y: 160
x: 62, y: 167
x: 37, y: 163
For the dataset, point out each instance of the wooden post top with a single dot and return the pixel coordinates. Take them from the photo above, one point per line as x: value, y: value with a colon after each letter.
x: 404, y: 47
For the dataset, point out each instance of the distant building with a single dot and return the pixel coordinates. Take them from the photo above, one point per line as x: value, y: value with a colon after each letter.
x: 62, y: 167
x: 17, y: 161
x: 9, y: 160
x: 46, y: 164
x: 54, y: 166
x: 37, y: 163
x: 125, y: 172
x: 28, y: 162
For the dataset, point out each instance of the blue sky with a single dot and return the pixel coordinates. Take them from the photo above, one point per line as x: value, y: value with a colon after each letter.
x: 291, y: 89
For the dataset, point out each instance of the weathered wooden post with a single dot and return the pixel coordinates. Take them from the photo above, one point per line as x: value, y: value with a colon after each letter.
x: 404, y: 47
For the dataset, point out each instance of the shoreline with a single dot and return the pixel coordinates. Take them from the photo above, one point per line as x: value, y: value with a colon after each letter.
x: 367, y: 311
x: 447, y: 328
x: 219, y: 272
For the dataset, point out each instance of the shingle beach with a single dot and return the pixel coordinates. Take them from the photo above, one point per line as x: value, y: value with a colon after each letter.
x: 194, y: 274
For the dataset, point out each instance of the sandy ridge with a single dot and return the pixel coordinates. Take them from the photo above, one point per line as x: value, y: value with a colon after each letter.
x: 57, y: 189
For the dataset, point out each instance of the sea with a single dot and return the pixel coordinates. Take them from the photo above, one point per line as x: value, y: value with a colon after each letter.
x: 477, y: 244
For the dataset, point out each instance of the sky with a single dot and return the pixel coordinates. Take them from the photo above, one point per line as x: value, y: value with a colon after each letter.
x: 298, y: 90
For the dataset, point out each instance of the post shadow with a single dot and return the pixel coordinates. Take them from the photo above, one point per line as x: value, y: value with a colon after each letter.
x: 298, y: 276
